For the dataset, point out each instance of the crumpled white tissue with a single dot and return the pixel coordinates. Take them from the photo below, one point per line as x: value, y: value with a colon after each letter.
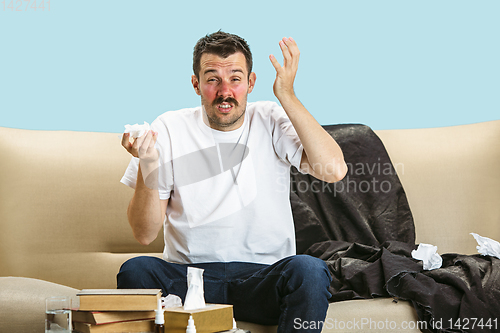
x: 171, y: 301
x: 487, y: 246
x: 195, y: 297
x: 428, y: 254
x: 137, y: 130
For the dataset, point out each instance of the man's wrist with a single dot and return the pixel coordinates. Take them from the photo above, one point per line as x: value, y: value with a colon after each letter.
x: 289, y: 102
x: 149, y: 172
x: 287, y: 96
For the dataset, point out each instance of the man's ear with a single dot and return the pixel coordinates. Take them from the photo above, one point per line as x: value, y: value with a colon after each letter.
x: 196, y: 84
x: 251, y: 81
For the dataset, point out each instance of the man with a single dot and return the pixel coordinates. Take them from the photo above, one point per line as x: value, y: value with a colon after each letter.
x: 216, y: 178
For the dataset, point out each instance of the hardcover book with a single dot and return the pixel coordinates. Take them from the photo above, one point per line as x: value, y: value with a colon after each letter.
x: 119, y: 299
x: 108, y: 317
x: 128, y: 326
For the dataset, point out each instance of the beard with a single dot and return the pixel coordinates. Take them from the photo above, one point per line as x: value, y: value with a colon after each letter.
x: 223, y: 122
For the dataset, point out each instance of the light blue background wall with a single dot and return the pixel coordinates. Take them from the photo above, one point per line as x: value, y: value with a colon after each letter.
x: 97, y: 65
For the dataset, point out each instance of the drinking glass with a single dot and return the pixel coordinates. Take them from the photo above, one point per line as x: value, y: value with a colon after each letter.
x: 58, y: 314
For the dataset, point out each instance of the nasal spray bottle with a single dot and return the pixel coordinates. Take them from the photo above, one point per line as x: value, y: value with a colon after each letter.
x: 159, y: 318
x: 191, y: 328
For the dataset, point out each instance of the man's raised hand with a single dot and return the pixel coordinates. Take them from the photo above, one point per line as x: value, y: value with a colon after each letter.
x: 142, y: 147
x: 285, y: 75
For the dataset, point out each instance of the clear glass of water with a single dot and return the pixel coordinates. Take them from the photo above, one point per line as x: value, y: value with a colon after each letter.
x: 58, y: 314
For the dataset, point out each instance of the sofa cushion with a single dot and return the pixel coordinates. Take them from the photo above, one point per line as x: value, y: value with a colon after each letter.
x: 22, y: 303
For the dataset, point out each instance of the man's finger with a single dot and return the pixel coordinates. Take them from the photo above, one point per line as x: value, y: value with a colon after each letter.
x: 153, y: 140
x: 126, y: 140
x: 145, y: 143
x: 275, y: 63
x: 292, y: 45
x: 138, y: 142
x: 293, y: 49
x: 286, y: 52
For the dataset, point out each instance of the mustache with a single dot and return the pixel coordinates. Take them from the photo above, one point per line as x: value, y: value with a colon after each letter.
x: 220, y: 100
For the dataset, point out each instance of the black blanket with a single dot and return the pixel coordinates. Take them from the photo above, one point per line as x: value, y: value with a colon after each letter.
x: 363, y: 228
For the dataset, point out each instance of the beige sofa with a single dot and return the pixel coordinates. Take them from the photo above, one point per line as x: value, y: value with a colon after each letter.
x: 64, y: 225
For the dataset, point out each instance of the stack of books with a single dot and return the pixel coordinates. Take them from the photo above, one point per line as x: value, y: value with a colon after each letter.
x: 116, y: 310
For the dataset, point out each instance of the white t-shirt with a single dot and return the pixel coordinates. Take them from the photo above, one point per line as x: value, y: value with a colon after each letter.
x: 228, y: 191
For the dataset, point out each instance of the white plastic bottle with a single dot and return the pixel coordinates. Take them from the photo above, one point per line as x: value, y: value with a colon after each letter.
x: 190, y: 327
x: 159, y: 319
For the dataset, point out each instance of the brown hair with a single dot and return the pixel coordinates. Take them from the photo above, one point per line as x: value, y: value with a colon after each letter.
x: 222, y: 44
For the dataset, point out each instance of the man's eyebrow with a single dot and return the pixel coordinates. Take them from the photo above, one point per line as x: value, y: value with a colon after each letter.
x: 209, y: 71
x: 215, y: 71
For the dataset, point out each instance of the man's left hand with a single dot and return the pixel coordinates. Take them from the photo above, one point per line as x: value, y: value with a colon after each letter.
x: 285, y: 75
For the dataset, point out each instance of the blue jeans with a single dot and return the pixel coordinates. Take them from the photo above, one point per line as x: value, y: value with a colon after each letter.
x: 292, y: 293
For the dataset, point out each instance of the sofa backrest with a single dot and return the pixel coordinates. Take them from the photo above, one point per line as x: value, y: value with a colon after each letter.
x: 451, y: 176
x: 63, y: 210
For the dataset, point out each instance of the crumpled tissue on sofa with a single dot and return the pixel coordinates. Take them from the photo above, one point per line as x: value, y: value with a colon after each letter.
x: 487, y: 246
x: 428, y: 254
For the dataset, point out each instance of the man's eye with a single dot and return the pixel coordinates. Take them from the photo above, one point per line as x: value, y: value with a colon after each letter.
x: 236, y: 79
